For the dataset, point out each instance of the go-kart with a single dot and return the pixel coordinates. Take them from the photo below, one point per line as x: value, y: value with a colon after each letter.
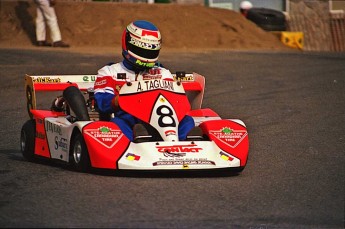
x: 85, y: 138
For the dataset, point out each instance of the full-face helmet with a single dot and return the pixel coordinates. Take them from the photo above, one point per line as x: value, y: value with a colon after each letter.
x: 141, y: 42
x: 246, y: 5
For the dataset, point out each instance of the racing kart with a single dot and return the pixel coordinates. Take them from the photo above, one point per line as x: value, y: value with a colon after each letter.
x: 85, y: 138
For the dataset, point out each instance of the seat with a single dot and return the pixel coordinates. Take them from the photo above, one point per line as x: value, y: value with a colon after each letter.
x: 141, y: 134
x: 195, y: 134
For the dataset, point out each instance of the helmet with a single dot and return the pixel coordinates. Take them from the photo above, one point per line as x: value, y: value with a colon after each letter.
x: 246, y: 5
x: 141, y: 42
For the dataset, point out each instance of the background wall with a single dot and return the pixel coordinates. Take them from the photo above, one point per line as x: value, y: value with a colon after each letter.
x: 323, y: 30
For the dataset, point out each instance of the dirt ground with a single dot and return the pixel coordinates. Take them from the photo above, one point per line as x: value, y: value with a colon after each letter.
x: 99, y: 26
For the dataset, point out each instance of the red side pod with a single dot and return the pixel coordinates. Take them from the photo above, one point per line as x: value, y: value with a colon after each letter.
x: 205, y: 112
x: 229, y: 136
x: 41, y: 142
x: 106, y: 144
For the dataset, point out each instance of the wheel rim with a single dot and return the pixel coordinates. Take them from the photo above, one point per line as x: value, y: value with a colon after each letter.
x: 77, y: 152
x: 22, y: 141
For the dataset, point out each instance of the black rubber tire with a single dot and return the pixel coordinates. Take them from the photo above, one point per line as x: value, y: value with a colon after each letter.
x: 27, y: 139
x: 267, y: 19
x: 79, y: 155
x: 76, y: 103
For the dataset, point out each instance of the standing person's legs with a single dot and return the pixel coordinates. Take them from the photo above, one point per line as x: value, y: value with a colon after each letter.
x: 46, y: 14
x: 51, y: 20
x: 40, y: 26
x: 52, y: 23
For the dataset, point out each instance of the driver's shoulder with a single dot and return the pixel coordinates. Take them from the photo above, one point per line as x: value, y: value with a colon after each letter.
x: 111, y: 69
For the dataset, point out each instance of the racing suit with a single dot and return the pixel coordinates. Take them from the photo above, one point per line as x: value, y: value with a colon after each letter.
x: 106, y: 91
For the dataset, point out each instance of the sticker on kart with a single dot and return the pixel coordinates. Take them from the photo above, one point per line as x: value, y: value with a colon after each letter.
x: 104, y: 135
x: 229, y: 136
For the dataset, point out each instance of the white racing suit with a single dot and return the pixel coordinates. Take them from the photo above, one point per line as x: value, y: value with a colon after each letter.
x: 105, y: 95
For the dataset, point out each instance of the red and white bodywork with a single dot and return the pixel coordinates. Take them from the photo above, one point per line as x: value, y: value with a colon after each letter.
x: 159, y: 103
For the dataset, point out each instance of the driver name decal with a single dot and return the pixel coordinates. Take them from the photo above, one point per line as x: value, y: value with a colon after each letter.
x: 105, y: 136
x: 155, y: 84
x: 229, y: 136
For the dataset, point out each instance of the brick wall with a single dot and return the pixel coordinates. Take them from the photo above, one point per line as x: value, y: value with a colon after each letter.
x: 312, y: 18
x: 337, y: 23
x: 323, y: 31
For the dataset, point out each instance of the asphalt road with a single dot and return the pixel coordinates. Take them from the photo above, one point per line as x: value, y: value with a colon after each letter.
x: 292, y: 103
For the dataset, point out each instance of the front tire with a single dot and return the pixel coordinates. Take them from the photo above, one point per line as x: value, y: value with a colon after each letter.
x: 27, y: 139
x: 79, y: 155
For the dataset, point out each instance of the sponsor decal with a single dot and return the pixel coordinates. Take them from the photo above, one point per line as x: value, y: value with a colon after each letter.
x: 226, y: 156
x: 149, y: 33
x: 47, y: 80
x: 229, y: 136
x: 51, y: 127
x: 132, y: 157
x: 155, y: 84
x: 192, y: 148
x: 144, y: 64
x: 184, y: 162
x: 170, y: 132
x: 61, y: 143
x: 101, y: 82
x: 184, y: 78
x: 144, y: 45
x: 89, y: 78
x: 151, y: 77
x: 104, y: 135
x: 167, y: 154
x: 178, y: 155
x: 155, y: 71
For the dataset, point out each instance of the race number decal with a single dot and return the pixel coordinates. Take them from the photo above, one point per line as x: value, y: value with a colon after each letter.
x: 165, y: 115
x: 164, y: 119
x: 30, y: 95
x: 29, y: 102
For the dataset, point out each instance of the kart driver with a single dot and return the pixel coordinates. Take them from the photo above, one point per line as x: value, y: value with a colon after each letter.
x: 141, y: 43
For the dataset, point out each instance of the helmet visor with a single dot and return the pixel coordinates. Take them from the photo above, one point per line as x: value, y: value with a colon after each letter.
x: 145, y: 53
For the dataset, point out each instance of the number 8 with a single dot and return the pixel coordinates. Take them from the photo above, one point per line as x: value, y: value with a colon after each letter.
x: 166, y: 118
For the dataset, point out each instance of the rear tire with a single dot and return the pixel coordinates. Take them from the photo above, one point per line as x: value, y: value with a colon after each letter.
x: 27, y: 140
x: 76, y: 103
x: 79, y: 155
